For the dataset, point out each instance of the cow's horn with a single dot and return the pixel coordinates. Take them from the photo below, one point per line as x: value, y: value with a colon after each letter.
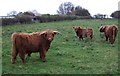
x: 42, y: 32
x: 57, y: 32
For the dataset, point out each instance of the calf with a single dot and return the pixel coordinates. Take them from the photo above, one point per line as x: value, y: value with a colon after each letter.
x: 83, y: 32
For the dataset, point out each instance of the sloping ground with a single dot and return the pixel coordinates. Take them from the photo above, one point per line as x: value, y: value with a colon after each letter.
x: 67, y: 54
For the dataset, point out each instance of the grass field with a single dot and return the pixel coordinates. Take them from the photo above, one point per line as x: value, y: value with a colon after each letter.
x: 1, y: 50
x: 67, y: 54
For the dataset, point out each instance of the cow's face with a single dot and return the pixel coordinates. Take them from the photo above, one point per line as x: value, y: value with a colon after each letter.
x: 49, y: 35
x: 76, y: 28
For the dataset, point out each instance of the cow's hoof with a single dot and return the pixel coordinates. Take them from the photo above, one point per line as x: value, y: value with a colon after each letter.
x: 44, y: 60
x: 23, y: 62
x: 13, y: 62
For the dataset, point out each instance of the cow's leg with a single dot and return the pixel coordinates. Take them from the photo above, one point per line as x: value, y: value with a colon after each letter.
x: 91, y: 36
x: 111, y: 40
x: 106, y: 38
x: 22, y: 56
x: 42, y: 56
x: 82, y: 38
x: 14, y: 55
x: 79, y: 38
x: 29, y: 54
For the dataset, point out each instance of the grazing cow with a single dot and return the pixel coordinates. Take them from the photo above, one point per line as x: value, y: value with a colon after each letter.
x: 110, y: 32
x: 83, y: 32
x: 25, y: 43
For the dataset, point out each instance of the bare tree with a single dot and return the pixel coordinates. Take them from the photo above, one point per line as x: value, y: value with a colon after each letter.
x: 65, y: 8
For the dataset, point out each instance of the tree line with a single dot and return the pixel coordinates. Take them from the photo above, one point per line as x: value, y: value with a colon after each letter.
x: 66, y: 11
x: 27, y: 18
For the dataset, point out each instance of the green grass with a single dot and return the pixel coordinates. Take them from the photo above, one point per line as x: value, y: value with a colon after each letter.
x: 1, y: 50
x: 67, y: 55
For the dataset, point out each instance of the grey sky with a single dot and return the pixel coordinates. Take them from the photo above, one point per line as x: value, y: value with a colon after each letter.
x: 51, y: 6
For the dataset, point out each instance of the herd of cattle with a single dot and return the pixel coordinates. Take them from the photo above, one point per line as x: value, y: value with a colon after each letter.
x: 27, y: 43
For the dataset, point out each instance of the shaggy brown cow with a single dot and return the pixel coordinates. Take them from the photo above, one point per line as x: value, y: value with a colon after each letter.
x: 83, y: 32
x: 110, y: 32
x: 25, y: 43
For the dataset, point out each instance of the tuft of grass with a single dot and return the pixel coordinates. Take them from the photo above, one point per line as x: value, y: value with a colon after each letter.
x: 67, y: 54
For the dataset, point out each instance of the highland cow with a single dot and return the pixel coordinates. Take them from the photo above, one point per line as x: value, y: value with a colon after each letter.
x: 110, y: 32
x: 27, y: 43
x: 83, y: 32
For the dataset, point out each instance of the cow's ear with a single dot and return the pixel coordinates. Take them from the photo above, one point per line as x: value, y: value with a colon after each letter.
x: 78, y: 27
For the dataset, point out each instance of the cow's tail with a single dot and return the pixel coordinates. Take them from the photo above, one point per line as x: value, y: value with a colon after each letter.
x: 114, y: 31
x: 14, y: 50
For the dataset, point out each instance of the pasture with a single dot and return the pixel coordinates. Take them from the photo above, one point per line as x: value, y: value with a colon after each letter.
x: 67, y: 55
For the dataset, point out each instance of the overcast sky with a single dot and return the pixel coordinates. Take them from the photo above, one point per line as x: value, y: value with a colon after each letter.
x: 51, y: 6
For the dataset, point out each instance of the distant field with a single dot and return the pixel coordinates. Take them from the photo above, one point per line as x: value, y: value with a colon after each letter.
x: 67, y: 54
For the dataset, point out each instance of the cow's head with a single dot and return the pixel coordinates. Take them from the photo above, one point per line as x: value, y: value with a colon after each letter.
x: 76, y: 28
x: 102, y: 28
x: 49, y: 34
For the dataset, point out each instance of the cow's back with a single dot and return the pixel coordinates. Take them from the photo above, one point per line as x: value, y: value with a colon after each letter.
x: 35, y: 41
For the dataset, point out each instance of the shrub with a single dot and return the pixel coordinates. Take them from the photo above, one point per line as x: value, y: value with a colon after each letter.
x: 9, y: 21
x: 24, y: 19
